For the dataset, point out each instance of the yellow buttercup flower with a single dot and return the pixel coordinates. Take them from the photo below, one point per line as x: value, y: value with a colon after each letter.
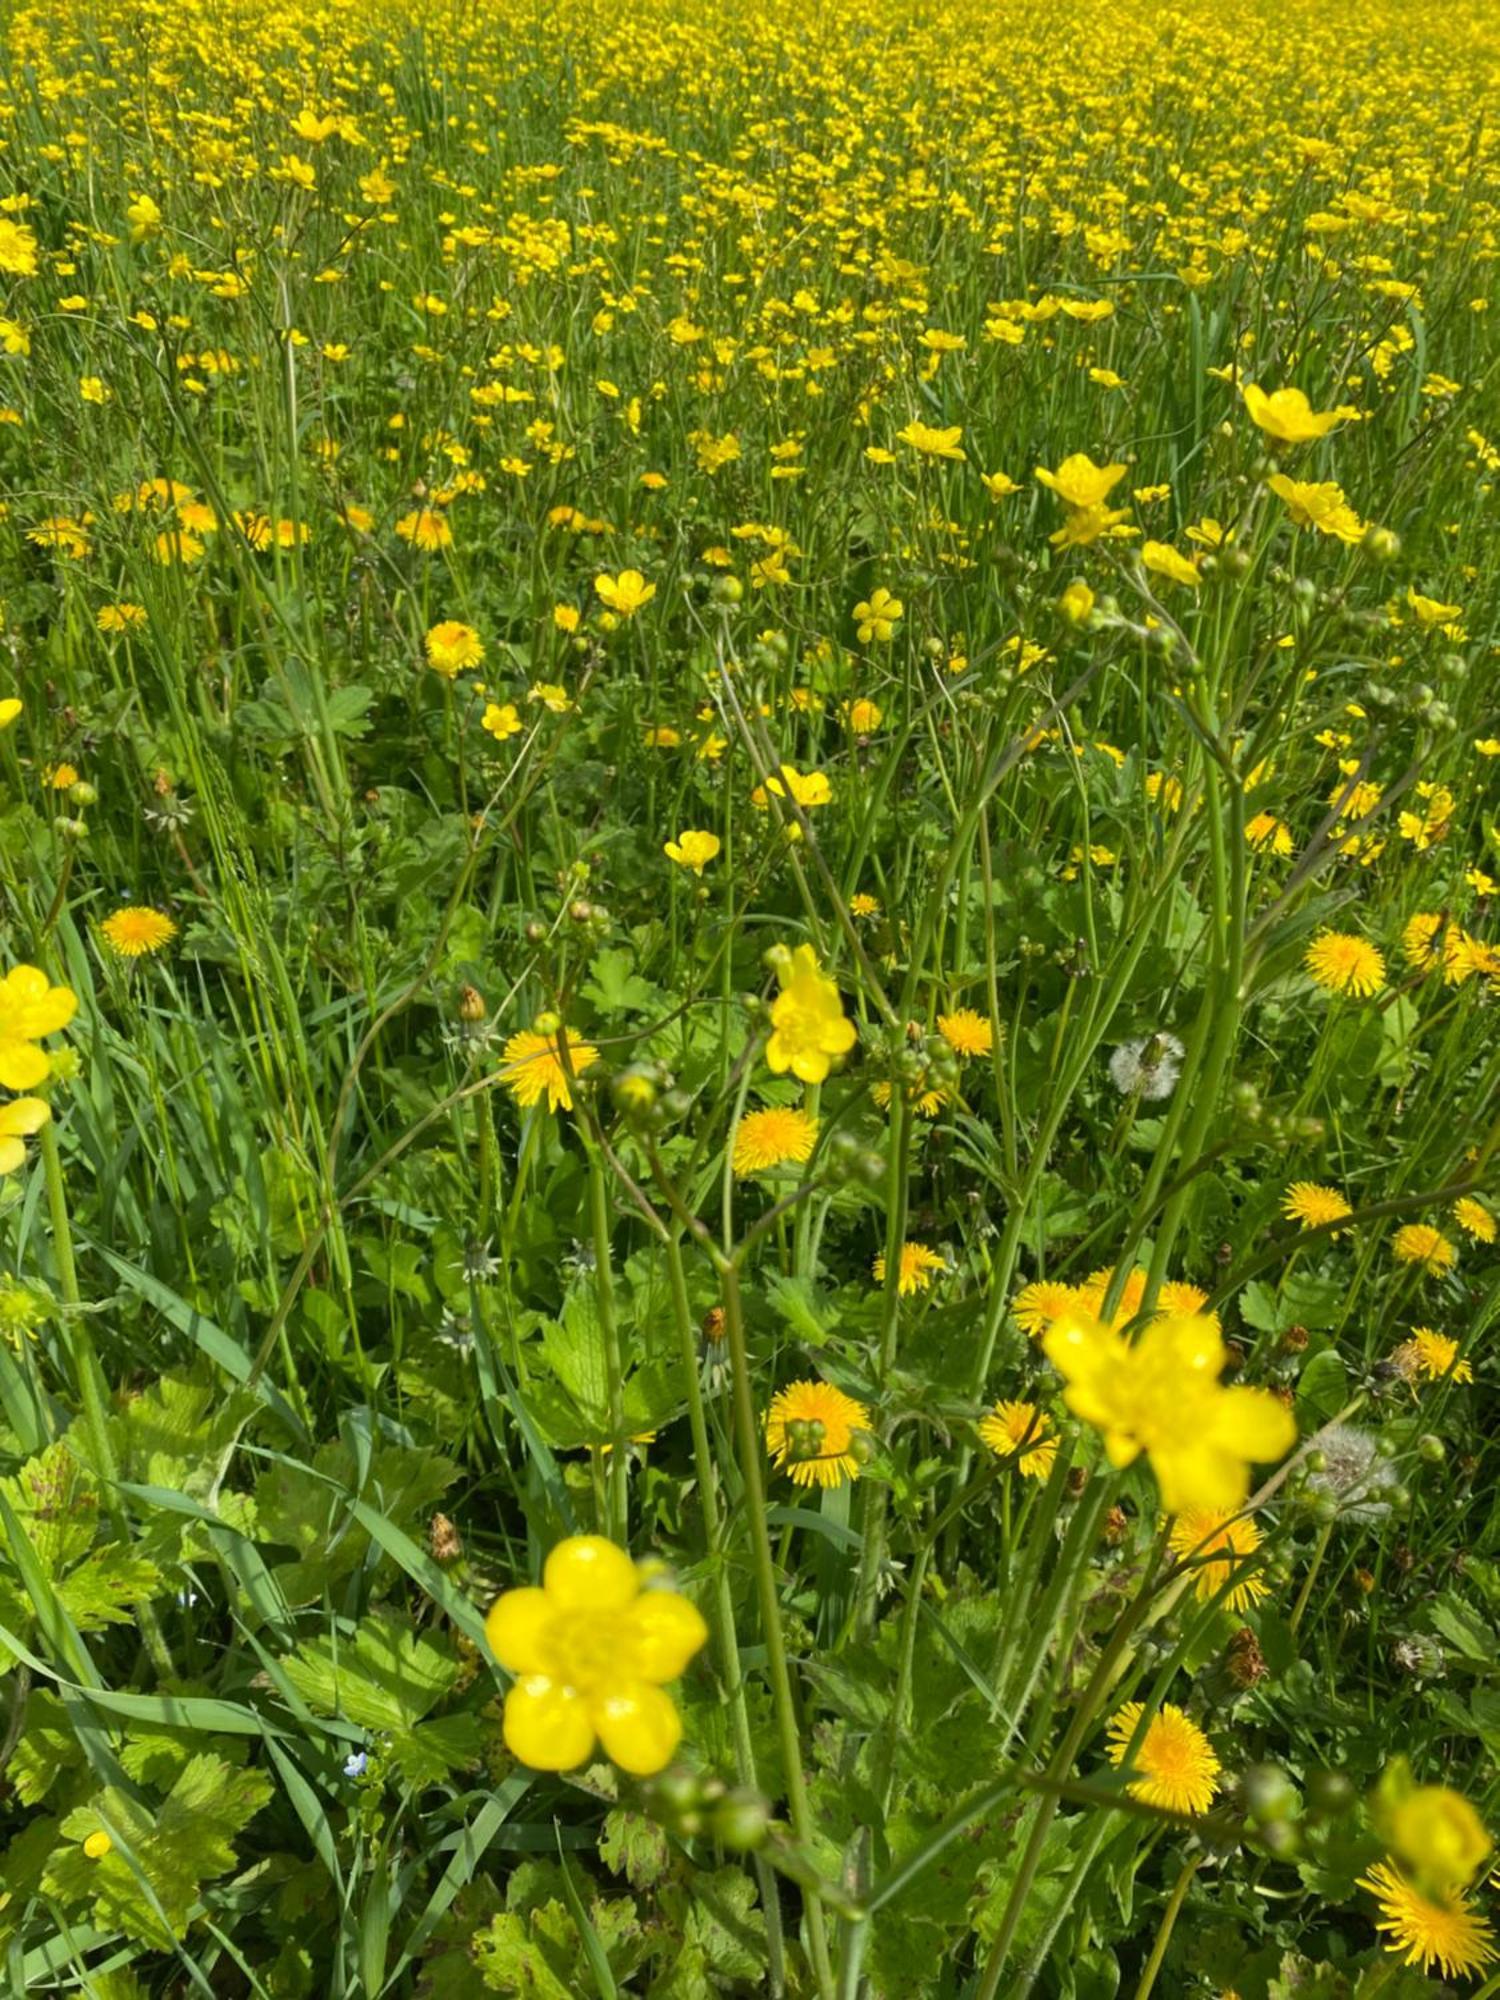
x: 1318, y: 505
x: 20, y: 1119
x: 624, y: 594
x: 1163, y: 560
x: 592, y: 1649
x: 1079, y: 483
x: 1162, y: 1396
x: 809, y: 1032
x: 933, y: 443
x: 1287, y: 416
x: 501, y: 719
x: 30, y: 1009
x: 693, y: 849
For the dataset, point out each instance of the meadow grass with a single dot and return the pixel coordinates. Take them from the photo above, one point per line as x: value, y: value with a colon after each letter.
x: 749, y: 861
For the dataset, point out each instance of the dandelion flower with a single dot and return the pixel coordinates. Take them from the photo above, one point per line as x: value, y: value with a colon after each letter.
x: 810, y: 1430
x: 775, y: 1137
x: 1340, y: 962
x: 1420, y: 1243
x: 1431, y: 1356
x: 136, y: 932
x: 1219, y: 1546
x: 1044, y: 1300
x: 1475, y: 1219
x: 532, y: 1064
x: 426, y: 529
x: 451, y: 647
x: 1173, y: 1761
x: 1010, y: 1426
x: 1429, y: 1930
x: 1313, y: 1206
x: 967, y: 1033
x: 918, y: 1266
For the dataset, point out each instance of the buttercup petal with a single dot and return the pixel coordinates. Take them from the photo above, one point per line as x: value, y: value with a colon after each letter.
x: 588, y: 1573
x: 547, y: 1724
x: 663, y: 1630
x: 639, y: 1726
x: 516, y: 1628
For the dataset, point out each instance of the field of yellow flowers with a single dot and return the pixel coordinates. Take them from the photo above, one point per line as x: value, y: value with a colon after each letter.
x: 749, y: 1093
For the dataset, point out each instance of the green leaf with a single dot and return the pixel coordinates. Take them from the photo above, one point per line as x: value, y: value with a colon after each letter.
x: 147, y: 1884
x: 105, y: 1588
x: 614, y: 987
x: 384, y: 1678
x: 635, y: 1847
x: 797, y: 1302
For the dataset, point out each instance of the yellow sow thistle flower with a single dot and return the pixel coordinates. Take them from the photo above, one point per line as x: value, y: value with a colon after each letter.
x: 1413, y: 1243
x: 1009, y: 1427
x: 918, y: 1267
x: 1219, y: 1546
x: 137, y: 931
x: 451, y: 647
x: 1287, y: 416
x: 1162, y: 1396
x: 591, y: 1650
x: 1174, y: 1761
x: 809, y: 1033
x: 1312, y: 1205
x: 21, y: 1119
x: 30, y: 1008
x: 811, y: 1429
x: 532, y: 1063
x: 967, y: 1033
x: 1431, y: 1930
x: 1340, y: 962
x: 776, y: 1137
x: 1474, y: 1219
x: 693, y: 849
x: 624, y: 594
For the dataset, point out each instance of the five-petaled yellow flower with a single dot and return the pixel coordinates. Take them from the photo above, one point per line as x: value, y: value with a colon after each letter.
x: 592, y: 1649
x: 1162, y: 1396
x: 809, y: 1032
x: 1287, y: 416
x: 31, y: 1007
x: 624, y: 594
x: 693, y: 849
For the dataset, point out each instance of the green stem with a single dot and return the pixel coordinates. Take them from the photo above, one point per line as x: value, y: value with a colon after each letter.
x: 748, y: 1437
x: 89, y: 1376
x: 1164, y: 1929
x: 618, y: 1497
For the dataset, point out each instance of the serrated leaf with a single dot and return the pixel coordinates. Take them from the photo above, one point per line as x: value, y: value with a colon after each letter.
x: 613, y: 985
x: 385, y: 1677
x: 635, y: 1847
x: 105, y: 1587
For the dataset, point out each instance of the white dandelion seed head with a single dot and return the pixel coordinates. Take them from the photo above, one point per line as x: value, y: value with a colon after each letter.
x: 1147, y: 1067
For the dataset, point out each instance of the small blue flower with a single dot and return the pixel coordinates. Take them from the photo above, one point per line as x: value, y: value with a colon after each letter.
x: 354, y: 1764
